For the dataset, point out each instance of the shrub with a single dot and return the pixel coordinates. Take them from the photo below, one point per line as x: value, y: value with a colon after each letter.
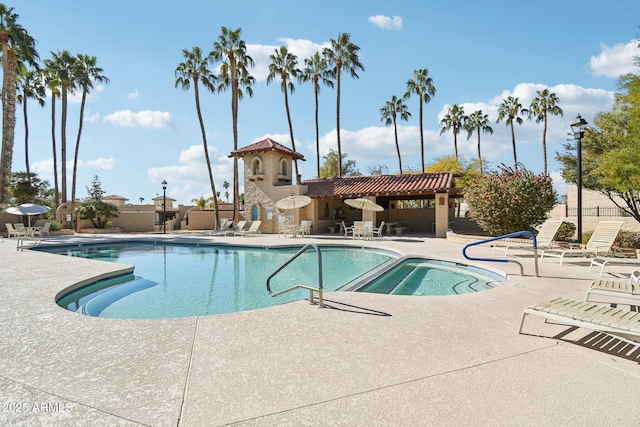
x: 97, y: 211
x: 55, y: 225
x: 628, y: 240
x: 565, y: 232
x: 510, y: 200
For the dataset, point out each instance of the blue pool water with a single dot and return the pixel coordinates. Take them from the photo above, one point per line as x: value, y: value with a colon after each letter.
x: 187, y: 280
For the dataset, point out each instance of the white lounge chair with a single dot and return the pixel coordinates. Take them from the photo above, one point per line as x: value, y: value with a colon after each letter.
x: 347, y: 230
x: 544, y: 239
x: 622, y: 324
x: 252, y: 230
x: 600, y: 242
x: 376, y: 232
x: 613, y: 289
x: 42, y: 231
x: 12, y: 232
x: 305, y: 228
x: 224, y: 228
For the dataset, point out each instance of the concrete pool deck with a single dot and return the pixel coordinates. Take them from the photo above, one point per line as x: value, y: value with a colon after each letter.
x: 366, y: 359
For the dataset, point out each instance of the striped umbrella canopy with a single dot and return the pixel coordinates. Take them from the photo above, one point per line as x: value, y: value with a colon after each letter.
x: 28, y: 209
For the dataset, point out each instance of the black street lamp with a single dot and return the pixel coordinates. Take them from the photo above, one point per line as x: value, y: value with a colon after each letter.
x: 578, y: 129
x: 164, y: 206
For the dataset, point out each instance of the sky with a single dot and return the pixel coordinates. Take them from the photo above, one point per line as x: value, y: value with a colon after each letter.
x: 139, y: 129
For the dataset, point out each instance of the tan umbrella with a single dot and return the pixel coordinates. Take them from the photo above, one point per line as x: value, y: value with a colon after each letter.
x: 364, y: 204
x: 28, y: 209
x: 293, y: 202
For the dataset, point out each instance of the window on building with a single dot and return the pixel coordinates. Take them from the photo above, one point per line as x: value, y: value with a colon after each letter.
x: 256, y: 166
x: 283, y: 167
x: 254, y: 213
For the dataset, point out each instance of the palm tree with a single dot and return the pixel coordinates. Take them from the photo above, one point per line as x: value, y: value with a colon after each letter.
x: 390, y: 112
x: 541, y: 106
x: 511, y: 109
x: 65, y: 68
x: 225, y: 185
x: 52, y: 82
x: 194, y: 68
x: 17, y: 45
x: 32, y: 88
x: 453, y: 121
x: 423, y: 87
x: 342, y: 54
x: 477, y: 121
x: 87, y: 72
x: 284, y: 65
x: 316, y: 71
x: 231, y: 50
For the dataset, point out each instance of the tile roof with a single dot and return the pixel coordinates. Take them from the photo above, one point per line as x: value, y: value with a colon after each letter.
x: 264, y: 146
x: 381, y: 185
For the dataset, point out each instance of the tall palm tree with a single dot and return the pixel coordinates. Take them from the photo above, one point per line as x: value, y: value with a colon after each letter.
x: 17, y: 45
x: 511, y: 109
x: 33, y: 88
x: 195, y: 69
x: 342, y: 54
x: 453, y: 120
x: 87, y: 72
x: 65, y: 67
x: 424, y: 88
x: 52, y: 82
x: 541, y: 106
x: 477, y: 121
x: 316, y: 71
x: 231, y: 50
x: 390, y: 112
x: 284, y: 65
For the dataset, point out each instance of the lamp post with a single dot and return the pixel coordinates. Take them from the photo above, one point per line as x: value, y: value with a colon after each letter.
x: 578, y: 129
x: 164, y: 206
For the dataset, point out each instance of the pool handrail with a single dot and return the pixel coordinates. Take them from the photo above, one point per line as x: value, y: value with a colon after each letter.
x: 311, y: 289
x: 505, y: 236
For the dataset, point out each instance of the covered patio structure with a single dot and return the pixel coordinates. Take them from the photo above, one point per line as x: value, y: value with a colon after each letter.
x: 421, y: 202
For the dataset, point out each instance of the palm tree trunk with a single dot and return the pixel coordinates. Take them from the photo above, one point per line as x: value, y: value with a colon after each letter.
x: 293, y: 141
x: 56, y: 190
x: 8, y: 118
x: 479, y: 156
x: 513, y: 140
x: 338, y: 122
x: 455, y: 141
x: 206, y: 154
x: 395, y: 133
x: 63, y: 145
x: 77, y: 150
x: 315, y: 90
x: 234, y: 118
x: 544, y: 142
x: 26, y: 131
x: 421, y: 136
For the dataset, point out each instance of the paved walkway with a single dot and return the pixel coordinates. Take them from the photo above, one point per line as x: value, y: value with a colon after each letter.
x: 365, y: 360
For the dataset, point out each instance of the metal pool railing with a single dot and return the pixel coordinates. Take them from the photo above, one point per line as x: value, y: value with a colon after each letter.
x: 505, y: 236
x: 309, y: 288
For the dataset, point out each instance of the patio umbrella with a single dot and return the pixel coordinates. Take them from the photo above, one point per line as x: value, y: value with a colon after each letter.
x: 293, y: 202
x: 364, y: 204
x: 28, y: 209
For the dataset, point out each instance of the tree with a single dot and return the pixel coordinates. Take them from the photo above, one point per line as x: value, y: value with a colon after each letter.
x: 541, y: 106
x: 231, y: 50
x: 225, y: 185
x: 342, y: 54
x: 611, y: 151
x: 453, y: 121
x: 64, y: 65
x: 390, y: 112
x: 17, y: 46
x: 95, y: 209
x: 511, y: 109
x: 424, y: 88
x: 26, y: 187
x: 195, y: 69
x: 316, y: 71
x: 86, y: 72
x: 477, y: 121
x: 32, y: 87
x: 284, y: 65
x: 52, y: 82
x: 331, y: 164
x: 510, y: 200
x: 465, y: 171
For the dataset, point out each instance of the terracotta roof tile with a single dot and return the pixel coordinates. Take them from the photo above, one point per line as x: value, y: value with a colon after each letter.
x: 381, y: 185
x: 264, y: 146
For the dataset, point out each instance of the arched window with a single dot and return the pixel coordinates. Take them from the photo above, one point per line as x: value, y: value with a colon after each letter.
x: 283, y: 167
x: 254, y: 212
x: 256, y: 166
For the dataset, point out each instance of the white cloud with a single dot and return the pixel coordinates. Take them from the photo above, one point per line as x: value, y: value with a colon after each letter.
x: 133, y: 95
x: 260, y: 54
x: 102, y: 163
x: 142, y: 119
x: 92, y: 117
x: 386, y: 23
x: 616, y: 60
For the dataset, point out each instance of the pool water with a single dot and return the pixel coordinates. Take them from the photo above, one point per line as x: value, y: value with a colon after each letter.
x: 418, y: 276
x: 187, y: 280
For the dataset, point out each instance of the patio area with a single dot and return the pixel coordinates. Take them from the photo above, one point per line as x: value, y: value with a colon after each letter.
x: 366, y: 359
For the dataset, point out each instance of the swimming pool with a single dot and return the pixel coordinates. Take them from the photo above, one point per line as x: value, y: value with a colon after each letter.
x: 174, y: 280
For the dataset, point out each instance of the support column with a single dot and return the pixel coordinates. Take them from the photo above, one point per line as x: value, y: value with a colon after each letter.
x: 442, y: 214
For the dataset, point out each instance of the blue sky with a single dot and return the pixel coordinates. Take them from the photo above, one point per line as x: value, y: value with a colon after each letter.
x: 139, y: 129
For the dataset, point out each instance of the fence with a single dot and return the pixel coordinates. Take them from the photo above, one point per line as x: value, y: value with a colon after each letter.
x: 599, y: 211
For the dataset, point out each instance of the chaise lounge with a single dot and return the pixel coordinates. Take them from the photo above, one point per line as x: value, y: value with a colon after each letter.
x: 601, y: 241
x: 622, y: 324
x: 544, y: 239
x: 612, y: 289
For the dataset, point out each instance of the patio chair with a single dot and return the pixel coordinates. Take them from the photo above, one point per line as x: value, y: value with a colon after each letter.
x: 12, y: 232
x: 600, y: 242
x: 252, y: 230
x: 622, y: 324
x: 347, y: 230
x: 305, y: 228
x: 224, y: 228
x: 239, y: 227
x: 376, y: 232
x: 42, y: 231
x: 544, y: 239
x: 612, y: 289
